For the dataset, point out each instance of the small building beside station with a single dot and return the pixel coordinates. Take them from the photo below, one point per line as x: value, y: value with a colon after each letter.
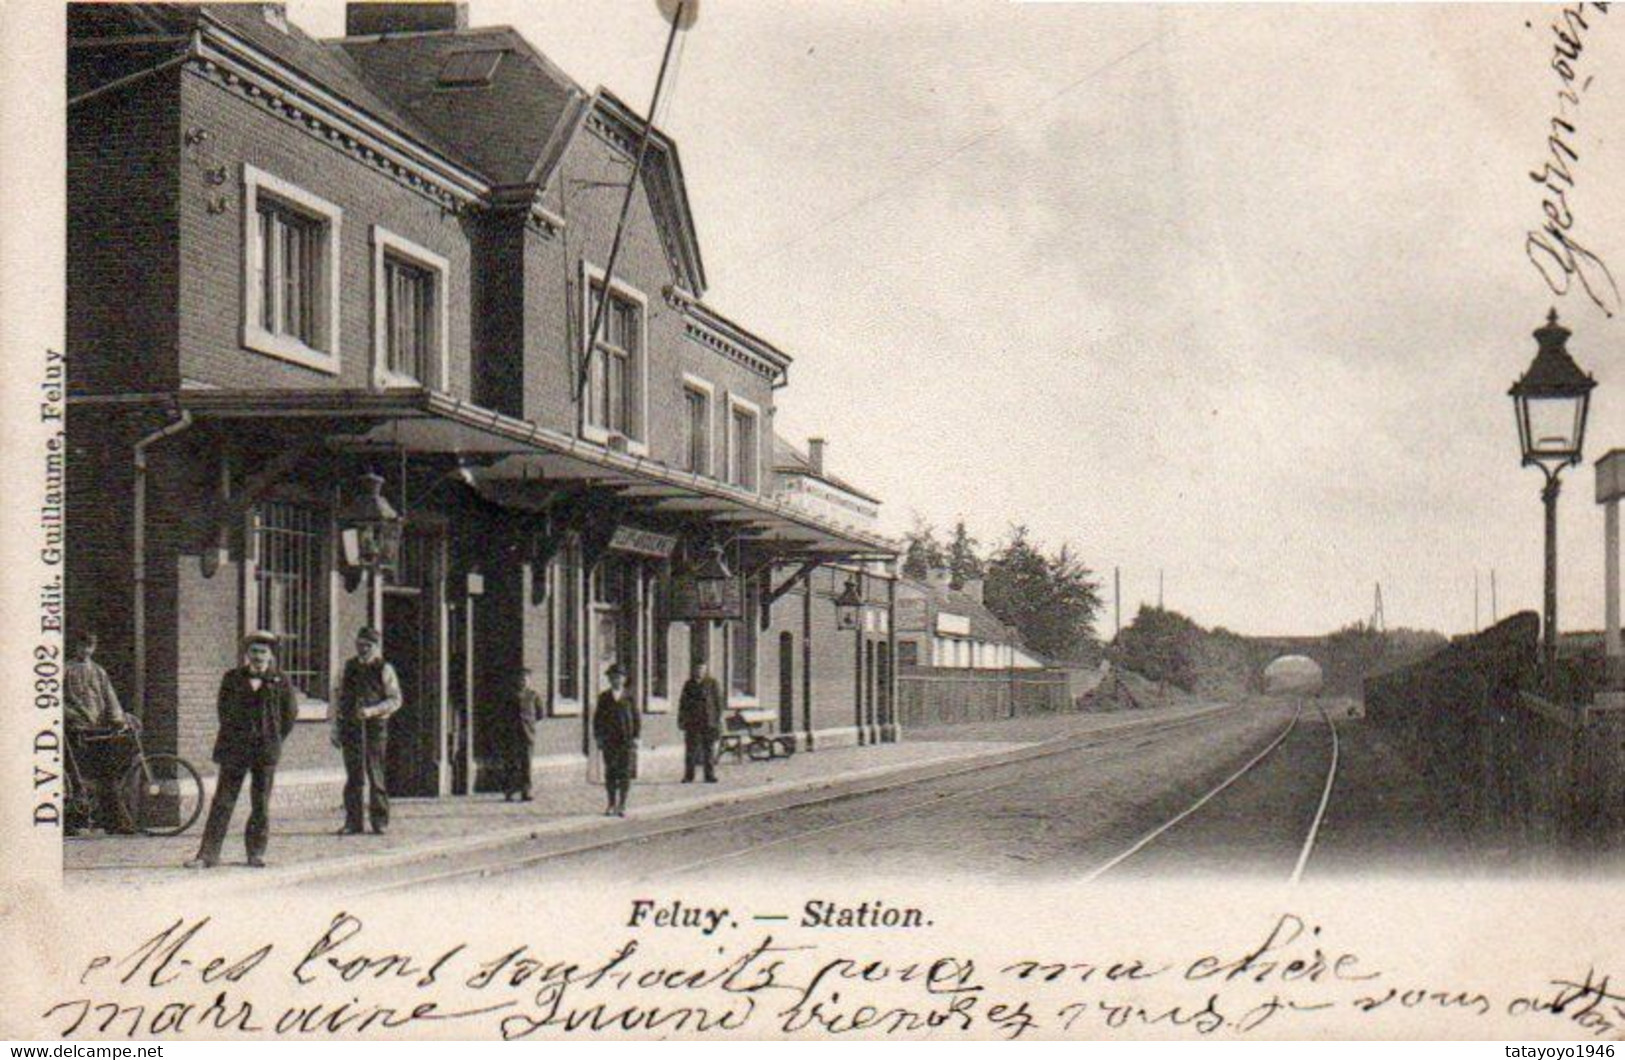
x: 947, y: 628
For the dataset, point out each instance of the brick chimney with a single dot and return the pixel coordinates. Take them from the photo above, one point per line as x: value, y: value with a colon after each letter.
x: 973, y: 588
x: 370, y: 19
x: 816, y: 448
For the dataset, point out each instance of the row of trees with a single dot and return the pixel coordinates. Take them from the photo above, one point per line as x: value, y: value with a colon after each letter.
x: 1049, y: 596
x: 1052, y: 598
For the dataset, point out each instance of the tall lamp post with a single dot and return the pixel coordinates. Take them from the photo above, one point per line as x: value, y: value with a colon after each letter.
x: 1552, y: 400
x: 849, y: 615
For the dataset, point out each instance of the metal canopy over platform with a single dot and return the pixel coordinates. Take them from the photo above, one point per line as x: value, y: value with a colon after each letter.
x: 517, y: 463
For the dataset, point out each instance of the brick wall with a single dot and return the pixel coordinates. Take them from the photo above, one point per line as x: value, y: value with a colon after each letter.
x: 834, y: 652
x: 551, y: 293
x: 122, y: 188
x: 498, y: 291
x: 211, y: 242
x: 100, y: 478
x: 203, y: 634
x: 553, y: 310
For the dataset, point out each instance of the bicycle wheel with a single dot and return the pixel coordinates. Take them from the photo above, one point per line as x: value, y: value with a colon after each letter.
x: 165, y: 797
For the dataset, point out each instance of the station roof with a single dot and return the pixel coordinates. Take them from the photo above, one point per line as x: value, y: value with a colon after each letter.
x: 515, y: 462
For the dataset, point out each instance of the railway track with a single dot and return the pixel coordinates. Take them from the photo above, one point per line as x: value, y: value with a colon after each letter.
x: 931, y: 799
x: 1305, y: 849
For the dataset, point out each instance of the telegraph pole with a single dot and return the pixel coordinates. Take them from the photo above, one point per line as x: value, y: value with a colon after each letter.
x: 1117, y: 602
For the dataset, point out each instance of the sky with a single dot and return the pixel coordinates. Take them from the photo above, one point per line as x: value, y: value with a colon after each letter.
x: 1230, y: 293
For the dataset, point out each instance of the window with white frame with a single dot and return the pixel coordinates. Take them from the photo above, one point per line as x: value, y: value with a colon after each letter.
x: 696, y: 425
x: 291, y: 273
x: 617, y: 369
x: 289, y: 597
x: 744, y: 457
x: 409, y: 313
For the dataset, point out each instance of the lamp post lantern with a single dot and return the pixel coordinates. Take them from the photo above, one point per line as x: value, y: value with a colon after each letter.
x: 1552, y: 400
x: 849, y: 606
x: 849, y: 615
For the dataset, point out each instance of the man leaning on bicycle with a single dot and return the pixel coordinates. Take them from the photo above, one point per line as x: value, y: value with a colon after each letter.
x: 96, y: 727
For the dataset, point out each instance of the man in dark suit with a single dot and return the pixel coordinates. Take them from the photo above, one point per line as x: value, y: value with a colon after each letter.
x: 699, y: 715
x: 369, y: 693
x: 258, y: 708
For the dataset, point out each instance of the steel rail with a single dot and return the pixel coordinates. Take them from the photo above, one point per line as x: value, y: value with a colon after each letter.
x: 1157, y: 832
x: 922, y: 806
x: 1325, y: 801
x: 1113, y: 735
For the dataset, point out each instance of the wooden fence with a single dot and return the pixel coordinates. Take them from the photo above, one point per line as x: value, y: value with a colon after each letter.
x: 1518, y: 761
x: 932, y: 695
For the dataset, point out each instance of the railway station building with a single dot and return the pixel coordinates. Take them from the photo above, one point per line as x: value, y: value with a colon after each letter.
x: 308, y: 278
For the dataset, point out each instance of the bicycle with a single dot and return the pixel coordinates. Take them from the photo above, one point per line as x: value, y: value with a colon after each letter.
x: 162, y: 793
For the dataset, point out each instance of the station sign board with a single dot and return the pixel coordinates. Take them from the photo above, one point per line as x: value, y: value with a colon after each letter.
x: 1611, y: 476
x: 642, y: 542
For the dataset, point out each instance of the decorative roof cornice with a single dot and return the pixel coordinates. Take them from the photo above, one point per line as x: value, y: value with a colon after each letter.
x: 716, y: 332
x: 235, y: 64
x: 617, y: 125
x: 717, y: 344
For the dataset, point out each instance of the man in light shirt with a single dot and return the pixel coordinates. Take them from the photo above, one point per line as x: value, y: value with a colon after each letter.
x: 93, y: 714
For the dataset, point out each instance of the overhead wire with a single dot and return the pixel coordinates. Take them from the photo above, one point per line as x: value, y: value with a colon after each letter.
x: 669, y: 100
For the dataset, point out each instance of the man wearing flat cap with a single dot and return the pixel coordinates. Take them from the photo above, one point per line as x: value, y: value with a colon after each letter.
x: 258, y: 709
x: 369, y: 693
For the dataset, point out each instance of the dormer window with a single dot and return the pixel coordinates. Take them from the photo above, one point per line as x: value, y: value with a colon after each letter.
x: 276, y: 16
x: 470, y: 69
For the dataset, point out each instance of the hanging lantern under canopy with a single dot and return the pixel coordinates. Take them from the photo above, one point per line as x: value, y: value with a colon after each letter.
x: 849, y: 606
x: 370, y: 527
